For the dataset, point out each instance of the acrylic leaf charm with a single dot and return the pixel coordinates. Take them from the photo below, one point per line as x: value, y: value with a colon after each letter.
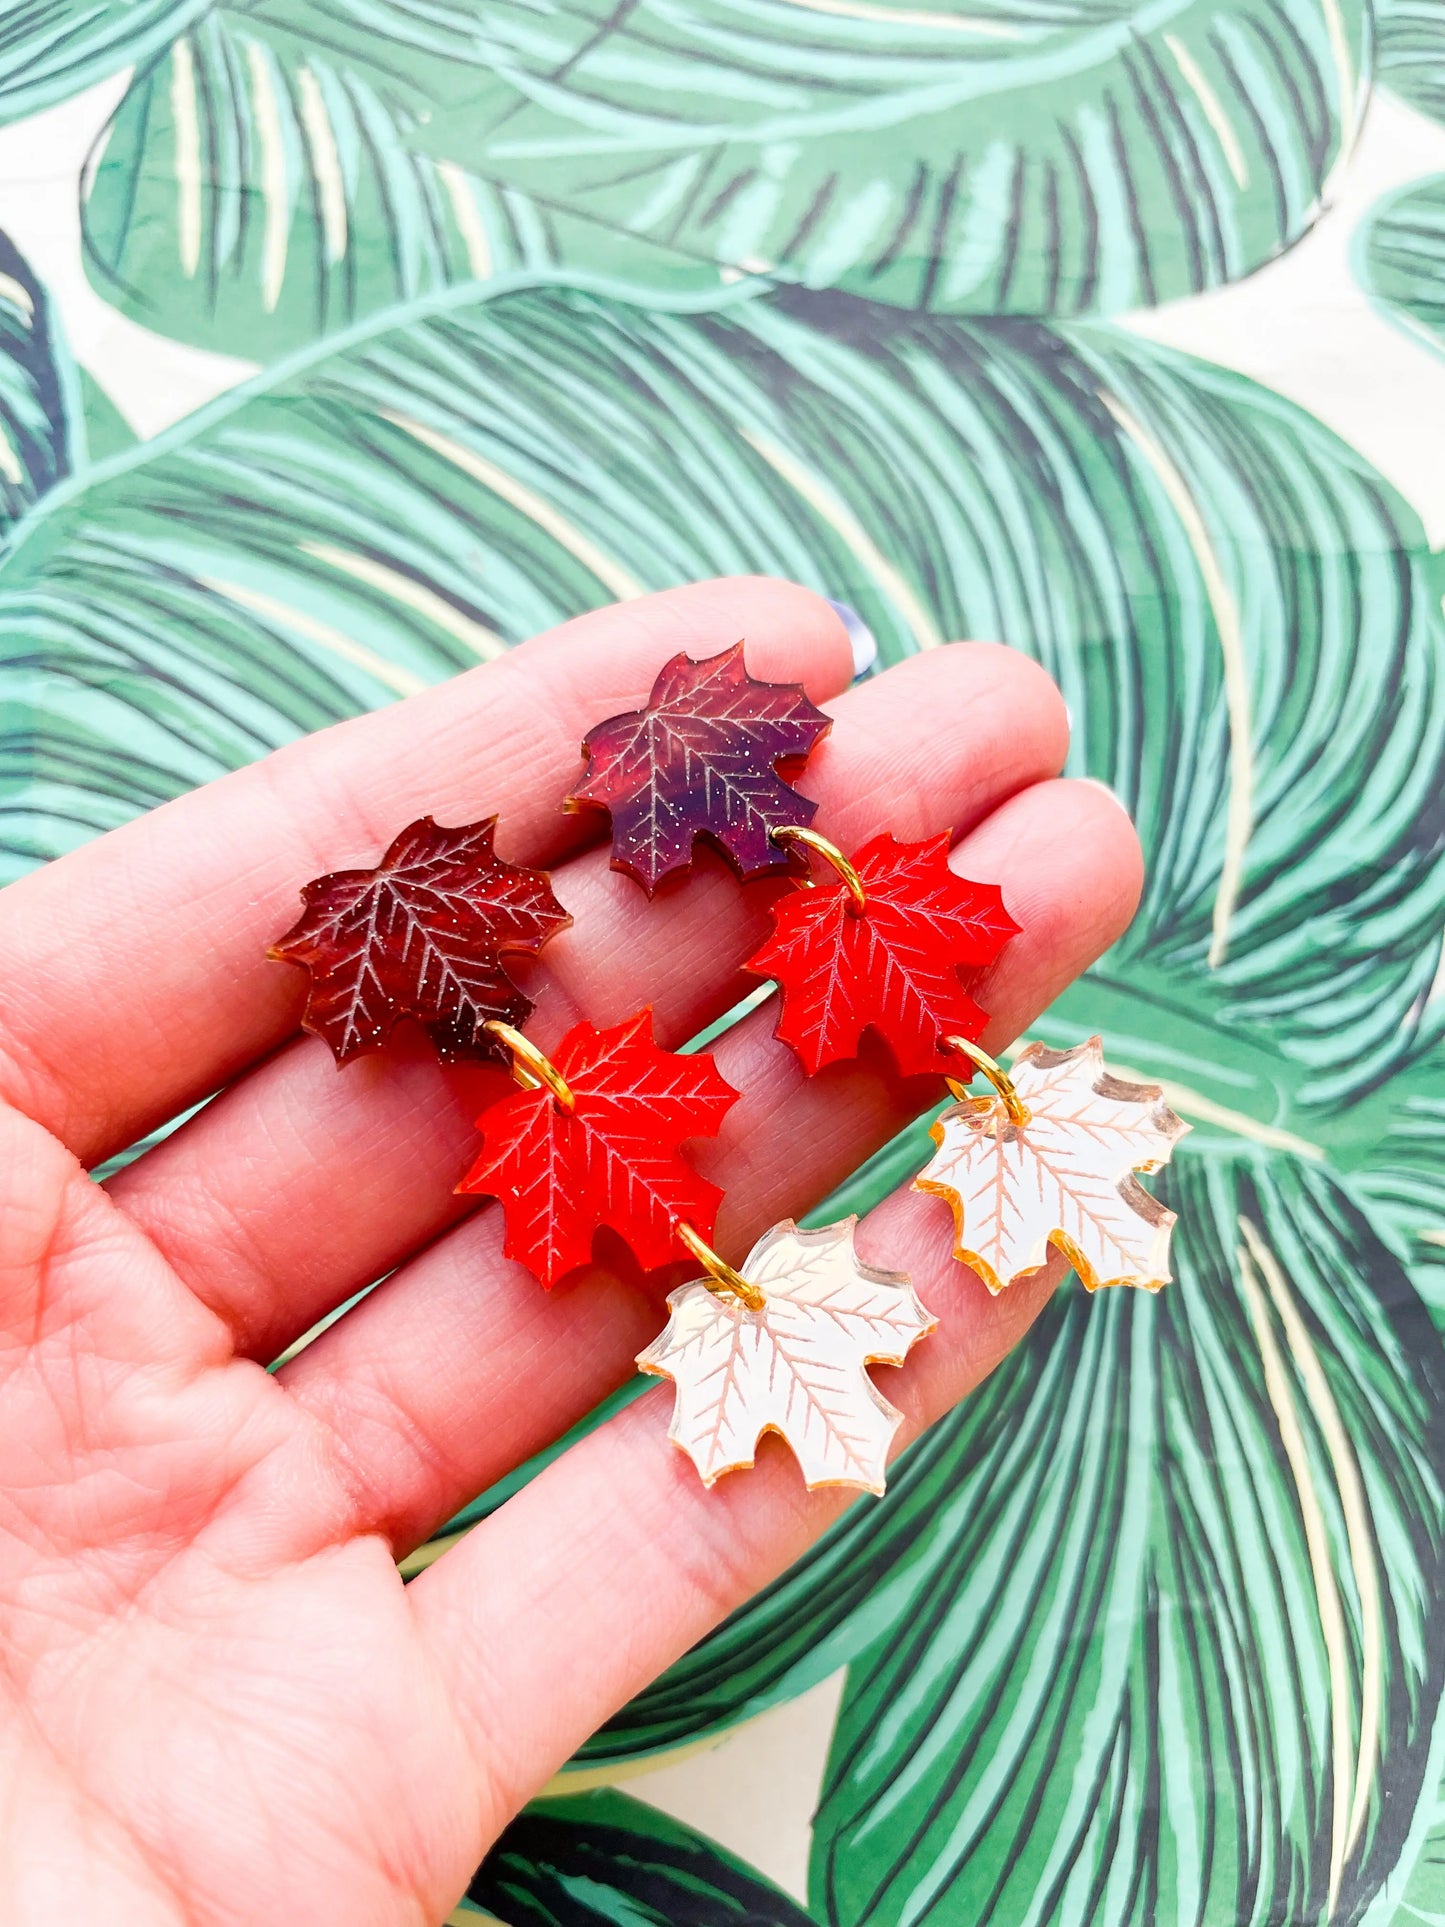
x: 612, y: 1159
x: 1064, y: 1178
x: 891, y: 963
x: 708, y: 756
x: 423, y: 935
x: 797, y: 1366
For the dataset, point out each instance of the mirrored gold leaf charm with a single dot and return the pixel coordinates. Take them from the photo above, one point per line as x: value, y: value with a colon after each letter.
x: 797, y: 1366
x: 1063, y: 1177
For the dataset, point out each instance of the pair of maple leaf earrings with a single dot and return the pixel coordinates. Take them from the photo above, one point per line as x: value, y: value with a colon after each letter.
x: 593, y: 1134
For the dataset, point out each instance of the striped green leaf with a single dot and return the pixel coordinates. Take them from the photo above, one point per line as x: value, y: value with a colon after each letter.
x: 282, y: 169
x: 288, y: 199
x: 1410, y: 56
x: 51, y: 49
x: 603, y: 1860
x: 1402, y: 1176
x: 1422, y: 1901
x: 1007, y: 158
x: 261, y: 184
x: 42, y: 435
x: 107, y: 431
x: 1178, y: 1655
x: 1400, y: 259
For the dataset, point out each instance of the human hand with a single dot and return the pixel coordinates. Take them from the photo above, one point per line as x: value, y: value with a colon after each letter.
x: 218, y: 1704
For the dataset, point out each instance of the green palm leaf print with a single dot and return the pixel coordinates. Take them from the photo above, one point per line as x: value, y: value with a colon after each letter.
x: 1402, y: 1176
x: 1246, y: 623
x: 263, y: 183
x: 1165, y: 1762
x: 281, y: 169
x: 603, y: 1860
x: 1420, y: 1902
x: 41, y: 428
x: 1158, y: 151
x: 1400, y: 259
x: 51, y: 49
x: 1411, y: 52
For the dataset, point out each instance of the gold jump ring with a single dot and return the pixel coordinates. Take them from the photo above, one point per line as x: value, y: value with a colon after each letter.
x: 830, y: 853
x: 530, y: 1068
x: 721, y: 1276
x: 995, y: 1073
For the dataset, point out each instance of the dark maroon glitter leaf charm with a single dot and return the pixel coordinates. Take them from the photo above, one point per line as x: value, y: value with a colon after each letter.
x: 423, y: 935
x: 709, y: 756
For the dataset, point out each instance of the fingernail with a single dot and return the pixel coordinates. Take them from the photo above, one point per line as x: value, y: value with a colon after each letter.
x: 1095, y: 783
x: 865, y: 643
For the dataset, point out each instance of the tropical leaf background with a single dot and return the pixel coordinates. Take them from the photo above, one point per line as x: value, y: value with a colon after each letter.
x: 549, y: 308
x: 1402, y: 259
x: 285, y: 166
x: 601, y: 1857
x: 1412, y: 53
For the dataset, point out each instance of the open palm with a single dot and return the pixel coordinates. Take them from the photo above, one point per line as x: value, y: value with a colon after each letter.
x: 218, y: 1703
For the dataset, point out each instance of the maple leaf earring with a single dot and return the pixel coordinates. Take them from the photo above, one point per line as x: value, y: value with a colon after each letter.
x: 880, y: 945
x: 791, y: 1357
x: 594, y: 1137
x: 424, y: 935
x: 708, y: 756
x: 1050, y: 1160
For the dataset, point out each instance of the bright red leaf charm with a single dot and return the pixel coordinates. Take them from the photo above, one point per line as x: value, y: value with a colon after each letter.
x: 423, y: 935
x: 709, y: 756
x: 893, y: 964
x: 612, y: 1159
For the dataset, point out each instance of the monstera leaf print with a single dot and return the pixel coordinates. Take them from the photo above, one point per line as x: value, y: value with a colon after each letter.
x: 283, y: 167
x: 602, y: 1860
x: 1223, y: 1506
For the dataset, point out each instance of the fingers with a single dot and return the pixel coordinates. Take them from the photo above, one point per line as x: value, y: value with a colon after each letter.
x: 133, y: 974
x: 243, y: 1201
x: 83, y: 1299
x: 620, y: 1534
x: 461, y: 1332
